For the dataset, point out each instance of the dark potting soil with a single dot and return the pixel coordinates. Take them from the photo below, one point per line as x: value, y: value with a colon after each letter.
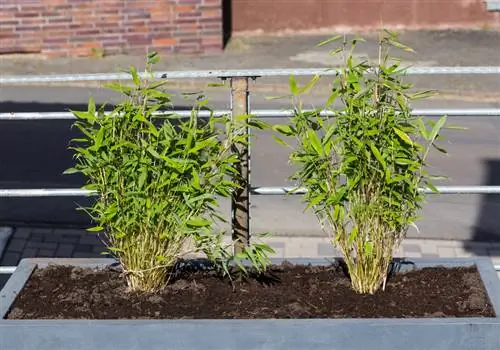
x: 290, y: 291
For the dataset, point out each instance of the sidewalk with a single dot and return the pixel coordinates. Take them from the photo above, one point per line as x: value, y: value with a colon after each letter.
x: 66, y: 243
x: 433, y: 48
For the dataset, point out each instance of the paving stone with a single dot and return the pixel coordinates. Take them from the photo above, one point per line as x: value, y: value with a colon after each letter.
x: 430, y: 255
x: 326, y: 249
x: 447, y: 252
x: 90, y: 239
x: 411, y: 248
x: 65, y: 250
x: 30, y: 253
x: 83, y: 248
x: 494, y: 253
x: 98, y: 249
x: 22, y: 232
x: 16, y: 245
x: 44, y: 253
x: 42, y: 231
x: 11, y: 259
x: 413, y: 255
x: 36, y: 238
x: 86, y: 255
x: 41, y: 245
x: 62, y: 239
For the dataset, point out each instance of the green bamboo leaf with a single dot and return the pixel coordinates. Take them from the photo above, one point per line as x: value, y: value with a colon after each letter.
x: 280, y: 141
x: 431, y: 187
x: 309, y: 85
x: 439, y: 148
x: 70, y: 171
x: 316, y: 144
x: 153, y: 152
x: 403, y: 136
x: 377, y: 155
x: 284, y: 129
x: 135, y: 76
x: 437, y: 127
x: 353, y: 235
x: 329, y: 41
x: 198, y: 222
x: 368, y: 248
x: 293, y: 86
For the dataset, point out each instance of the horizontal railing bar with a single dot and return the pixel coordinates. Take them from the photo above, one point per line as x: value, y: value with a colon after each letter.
x: 441, y: 189
x: 53, y: 78
x: 46, y: 192
x: 270, y: 113
x: 76, y: 192
x: 8, y: 270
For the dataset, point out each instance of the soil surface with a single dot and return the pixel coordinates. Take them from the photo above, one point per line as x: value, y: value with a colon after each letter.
x: 290, y: 291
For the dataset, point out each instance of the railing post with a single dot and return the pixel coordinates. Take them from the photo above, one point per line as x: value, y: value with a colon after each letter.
x: 240, y: 201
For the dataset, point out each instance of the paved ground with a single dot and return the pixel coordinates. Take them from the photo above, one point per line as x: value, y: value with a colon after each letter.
x: 33, y: 154
x: 28, y: 242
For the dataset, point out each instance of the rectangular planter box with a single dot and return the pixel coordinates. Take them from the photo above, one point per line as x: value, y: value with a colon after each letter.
x: 373, y: 334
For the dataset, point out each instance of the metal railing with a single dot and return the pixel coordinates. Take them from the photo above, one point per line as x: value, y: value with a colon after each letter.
x: 240, y: 105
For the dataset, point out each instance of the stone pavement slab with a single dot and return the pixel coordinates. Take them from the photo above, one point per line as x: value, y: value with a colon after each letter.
x: 78, y: 243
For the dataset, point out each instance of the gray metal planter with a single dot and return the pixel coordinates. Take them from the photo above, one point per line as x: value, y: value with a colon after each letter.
x: 373, y: 334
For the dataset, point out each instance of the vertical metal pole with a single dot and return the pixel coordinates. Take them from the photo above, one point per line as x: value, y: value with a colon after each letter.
x: 240, y: 202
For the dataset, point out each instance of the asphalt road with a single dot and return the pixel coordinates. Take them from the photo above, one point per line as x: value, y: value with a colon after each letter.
x: 33, y: 154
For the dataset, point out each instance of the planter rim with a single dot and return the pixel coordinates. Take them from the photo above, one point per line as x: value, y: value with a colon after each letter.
x: 484, y: 265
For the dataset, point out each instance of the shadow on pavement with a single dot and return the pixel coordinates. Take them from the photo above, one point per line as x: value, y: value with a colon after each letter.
x: 34, y: 154
x: 487, y: 227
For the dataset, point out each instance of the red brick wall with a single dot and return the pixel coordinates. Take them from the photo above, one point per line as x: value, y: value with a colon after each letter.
x: 75, y: 27
x: 280, y: 15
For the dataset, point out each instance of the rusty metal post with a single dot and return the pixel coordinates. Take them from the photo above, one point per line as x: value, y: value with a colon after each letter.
x: 240, y: 201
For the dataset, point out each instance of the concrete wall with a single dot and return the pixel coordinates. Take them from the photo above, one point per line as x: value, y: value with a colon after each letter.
x: 76, y: 27
x: 280, y: 15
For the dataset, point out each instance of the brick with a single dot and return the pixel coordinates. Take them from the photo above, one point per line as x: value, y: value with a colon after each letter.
x: 209, y: 20
x: 136, y: 16
x: 212, y: 48
x: 26, y: 14
x: 27, y: 28
x: 183, y: 9
x: 137, y: 39
x: 86, y: 32
x: 164, y: 41
x: 59, y: 20
x: 212, y: 14
x: 10, y: 23
x: 51, y: 40
x: 189, y: 2
x: 190, y: 40
x: 186, y: 20
x: 9, y: 35
x: 188, y: 14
